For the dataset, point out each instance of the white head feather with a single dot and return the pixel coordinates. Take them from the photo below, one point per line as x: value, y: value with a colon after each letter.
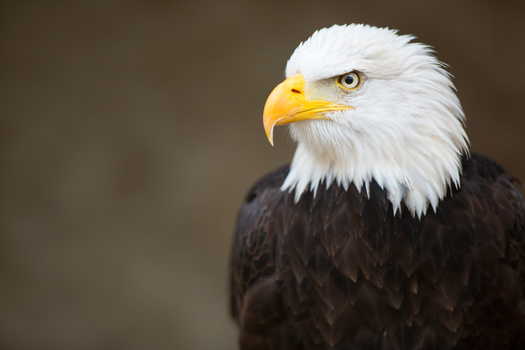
x: 406, y: 128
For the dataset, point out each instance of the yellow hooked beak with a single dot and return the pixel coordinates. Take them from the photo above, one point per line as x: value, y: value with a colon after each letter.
x: 287, y: 104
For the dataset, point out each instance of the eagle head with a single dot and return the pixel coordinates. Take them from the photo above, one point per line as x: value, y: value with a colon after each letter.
x: 364, y: 104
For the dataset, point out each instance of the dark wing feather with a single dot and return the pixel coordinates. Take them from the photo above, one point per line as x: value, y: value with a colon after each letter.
x: 340, y: 271
x: 255, y: 292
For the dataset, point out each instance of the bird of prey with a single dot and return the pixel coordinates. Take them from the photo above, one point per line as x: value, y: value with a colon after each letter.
x: 384, y: 232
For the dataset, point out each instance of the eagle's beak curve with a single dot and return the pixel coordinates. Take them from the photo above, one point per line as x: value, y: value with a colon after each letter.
x: 287, y: 104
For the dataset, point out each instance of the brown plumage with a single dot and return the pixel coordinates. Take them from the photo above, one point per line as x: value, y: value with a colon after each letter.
x: 339, y: 271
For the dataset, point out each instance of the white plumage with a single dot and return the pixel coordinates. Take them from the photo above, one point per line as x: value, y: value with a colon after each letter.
x: 406, y: 126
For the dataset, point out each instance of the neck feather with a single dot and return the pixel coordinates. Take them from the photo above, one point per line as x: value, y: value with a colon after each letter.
x: 417, y: 176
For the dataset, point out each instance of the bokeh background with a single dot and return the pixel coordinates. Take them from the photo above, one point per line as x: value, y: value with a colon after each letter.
x: 130, y: 132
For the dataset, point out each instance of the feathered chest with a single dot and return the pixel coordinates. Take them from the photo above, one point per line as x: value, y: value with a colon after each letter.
x: 345, y: 262
x: 339, y: 270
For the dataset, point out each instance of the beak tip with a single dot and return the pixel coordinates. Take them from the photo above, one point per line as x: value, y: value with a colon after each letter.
x: 270, y: 137
x: 268, y: 129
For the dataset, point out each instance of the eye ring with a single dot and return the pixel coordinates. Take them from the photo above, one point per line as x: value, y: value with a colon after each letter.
x: 350, y: 81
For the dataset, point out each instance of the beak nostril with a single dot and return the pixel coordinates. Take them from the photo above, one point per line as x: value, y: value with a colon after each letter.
x: 295, y: 91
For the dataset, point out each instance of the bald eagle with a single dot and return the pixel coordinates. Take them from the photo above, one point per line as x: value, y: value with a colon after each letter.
x: 384, y: 232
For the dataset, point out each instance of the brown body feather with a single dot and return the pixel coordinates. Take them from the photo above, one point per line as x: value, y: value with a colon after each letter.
x: 341, y: 271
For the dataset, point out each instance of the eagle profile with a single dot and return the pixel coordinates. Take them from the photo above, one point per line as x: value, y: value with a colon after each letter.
x: 384, y: 232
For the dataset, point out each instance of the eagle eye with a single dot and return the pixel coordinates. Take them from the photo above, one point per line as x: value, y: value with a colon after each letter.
x: 350, y: 81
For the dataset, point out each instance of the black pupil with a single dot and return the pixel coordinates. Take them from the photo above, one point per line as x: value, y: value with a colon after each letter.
x: 349, y: 79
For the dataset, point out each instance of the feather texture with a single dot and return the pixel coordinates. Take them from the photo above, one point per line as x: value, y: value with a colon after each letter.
x: 339, y: 271
x: 405, y: 130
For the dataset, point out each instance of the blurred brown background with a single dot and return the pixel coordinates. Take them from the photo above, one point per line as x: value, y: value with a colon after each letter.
x: 130, y: 132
